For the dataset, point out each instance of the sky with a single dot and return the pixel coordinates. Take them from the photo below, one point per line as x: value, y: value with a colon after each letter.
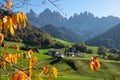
x: 99, y: 8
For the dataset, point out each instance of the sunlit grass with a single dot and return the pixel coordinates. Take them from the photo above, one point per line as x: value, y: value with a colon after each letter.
x: 109, y: 68
x: 19, y: 44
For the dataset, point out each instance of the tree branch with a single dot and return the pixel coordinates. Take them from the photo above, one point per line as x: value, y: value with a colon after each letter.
x: 52, y: 2
x: 12, y: 64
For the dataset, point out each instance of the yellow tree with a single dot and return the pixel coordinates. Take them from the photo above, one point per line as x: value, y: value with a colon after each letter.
x: 9, y: 22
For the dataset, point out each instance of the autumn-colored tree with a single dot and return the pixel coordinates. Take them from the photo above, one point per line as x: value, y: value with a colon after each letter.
x: 9, y: 22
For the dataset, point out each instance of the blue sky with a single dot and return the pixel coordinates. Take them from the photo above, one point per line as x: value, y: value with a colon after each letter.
x: 97, y: 7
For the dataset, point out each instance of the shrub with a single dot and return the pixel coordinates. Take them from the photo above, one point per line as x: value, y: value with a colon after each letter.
x: 59, y: 45
x: 80, y: 47
x: 102, y: 50
x: 90, y: 51
x: 113, y: 50
x: 113, y: 57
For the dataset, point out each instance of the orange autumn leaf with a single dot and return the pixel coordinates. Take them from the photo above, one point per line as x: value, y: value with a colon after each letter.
x: 19, y: 18
x: 18, y: 49
x: 5, y: 45
x: 8, y: 4
x: 30, y: 53
x: 16, y: 55
x: 1, y: 38
x: 8, y: 58
x: 1, y: 23
x: 94, y: 64
x: 4, y: 55
x: 31, y: 73
x: 20, y: 75
x: 24, y: 18
x: 28, y: 78
x: 14, y: 46
x: 11, y: 27
x: 1, y: 62
x: 45, y: 70
x: 4, y: 65
x: 5, y: 19
x: 6, y: 23
x: 14, y: 19
x: 54, y: 70
x: 24, y: 24
x: 12, y: 30
x: 15, y: 76
x: 33, y: 61
x: 14, y: 58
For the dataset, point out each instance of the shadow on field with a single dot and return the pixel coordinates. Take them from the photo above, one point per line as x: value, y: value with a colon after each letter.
x: 71, y: 64
x: 68, y: 62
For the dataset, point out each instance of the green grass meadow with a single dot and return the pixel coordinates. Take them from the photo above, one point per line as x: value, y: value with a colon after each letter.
x: 110, y: 70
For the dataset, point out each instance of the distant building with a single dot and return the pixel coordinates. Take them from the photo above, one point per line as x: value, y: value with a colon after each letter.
x: 55, y: 53
x: 76, y: 54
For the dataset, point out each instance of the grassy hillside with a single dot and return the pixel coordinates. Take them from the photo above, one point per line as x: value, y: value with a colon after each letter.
x: 63, y: 42
x: 93, y: 47
x: 11, y: 43
x: 31, y: 35
x: 108, y: 71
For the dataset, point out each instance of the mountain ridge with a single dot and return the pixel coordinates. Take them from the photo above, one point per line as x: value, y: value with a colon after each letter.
x: 85, y: 24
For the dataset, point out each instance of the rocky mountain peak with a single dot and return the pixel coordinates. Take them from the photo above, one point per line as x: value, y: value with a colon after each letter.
x: 84, y: 23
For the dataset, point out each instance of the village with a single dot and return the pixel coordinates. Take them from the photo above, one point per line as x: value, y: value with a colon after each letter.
x: 56, y: 53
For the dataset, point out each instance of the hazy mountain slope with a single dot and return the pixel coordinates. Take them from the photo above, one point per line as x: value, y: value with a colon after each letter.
x: 89, y: 25
x: 86, y: 24
x: 110, y: 38
x: 62, y: 33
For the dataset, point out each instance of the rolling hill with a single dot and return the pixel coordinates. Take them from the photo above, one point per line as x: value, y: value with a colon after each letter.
x: 34, y: 36
x: 30, y: 35
x: 62, y: 33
